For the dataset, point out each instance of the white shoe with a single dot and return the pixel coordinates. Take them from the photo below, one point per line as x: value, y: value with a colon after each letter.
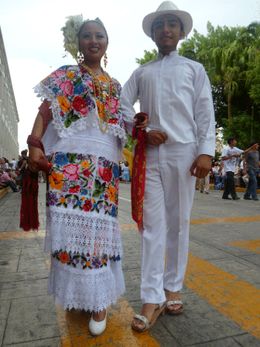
x: 97, y: 328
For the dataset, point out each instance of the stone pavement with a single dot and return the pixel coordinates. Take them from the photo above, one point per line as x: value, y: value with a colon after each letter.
x: 221, y: 294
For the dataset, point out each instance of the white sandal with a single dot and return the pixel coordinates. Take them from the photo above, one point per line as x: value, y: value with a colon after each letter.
x: 147, y: 325
x: 172, y: 303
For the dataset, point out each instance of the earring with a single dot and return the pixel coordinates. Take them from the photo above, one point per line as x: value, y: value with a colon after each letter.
x: 80, y: 57
x: 105, y: 60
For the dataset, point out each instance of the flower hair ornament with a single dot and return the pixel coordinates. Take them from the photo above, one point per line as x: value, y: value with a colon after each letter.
x: 71, y: 31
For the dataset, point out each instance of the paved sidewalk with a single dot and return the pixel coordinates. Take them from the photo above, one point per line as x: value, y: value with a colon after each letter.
x: 221, y: 294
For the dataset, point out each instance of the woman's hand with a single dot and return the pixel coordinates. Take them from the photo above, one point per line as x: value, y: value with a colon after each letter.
x: 201, y: 166
x: 141, y: 120
x: 156, y: 137
x: 36, y: 156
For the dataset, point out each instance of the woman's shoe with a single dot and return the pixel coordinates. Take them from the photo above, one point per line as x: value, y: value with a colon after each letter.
x: 146, y: 324
x: 97, y: 328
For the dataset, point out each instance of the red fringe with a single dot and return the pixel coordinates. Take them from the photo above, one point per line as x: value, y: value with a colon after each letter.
x: 138, y: 177
x: 29, y: 217
x: 29, y: 205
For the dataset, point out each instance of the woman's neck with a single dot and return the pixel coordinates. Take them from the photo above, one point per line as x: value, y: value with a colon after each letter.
x: 95, y: 67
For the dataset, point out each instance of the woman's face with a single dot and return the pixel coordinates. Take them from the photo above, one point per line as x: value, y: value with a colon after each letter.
x: 92, y: 42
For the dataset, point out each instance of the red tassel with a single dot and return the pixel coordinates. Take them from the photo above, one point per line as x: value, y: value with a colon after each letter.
x: 29, y: 218
x: 138, y: 177
x: 29, y: 205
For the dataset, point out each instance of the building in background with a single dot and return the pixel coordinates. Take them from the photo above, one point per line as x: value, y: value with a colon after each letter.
x: 9, y: 119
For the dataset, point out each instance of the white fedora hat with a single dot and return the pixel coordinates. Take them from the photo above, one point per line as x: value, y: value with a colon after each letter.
x: 167, y: 7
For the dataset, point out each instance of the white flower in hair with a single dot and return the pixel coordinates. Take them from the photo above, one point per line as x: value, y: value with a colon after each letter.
x: 70, y: 33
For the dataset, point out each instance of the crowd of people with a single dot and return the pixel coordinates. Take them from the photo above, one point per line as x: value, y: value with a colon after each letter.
x: 81, y: 128
x: 11, y: 171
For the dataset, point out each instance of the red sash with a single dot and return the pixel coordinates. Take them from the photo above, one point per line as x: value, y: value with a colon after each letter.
x: 138, y: 177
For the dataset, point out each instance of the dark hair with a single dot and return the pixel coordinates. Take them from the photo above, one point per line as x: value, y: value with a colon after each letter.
x: 230, y: 140
x: 98, y: 21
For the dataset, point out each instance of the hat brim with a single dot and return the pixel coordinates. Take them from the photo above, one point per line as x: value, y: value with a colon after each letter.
x: 184, y: 17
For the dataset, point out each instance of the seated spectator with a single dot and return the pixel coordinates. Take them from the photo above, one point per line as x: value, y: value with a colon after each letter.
x: 7, y: 181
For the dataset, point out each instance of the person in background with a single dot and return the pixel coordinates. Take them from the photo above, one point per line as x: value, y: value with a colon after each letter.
x: 80, y: 126
x: 252, y: 167
x: 7, y: 181
x: 175, y: 94
x: 230, y: 156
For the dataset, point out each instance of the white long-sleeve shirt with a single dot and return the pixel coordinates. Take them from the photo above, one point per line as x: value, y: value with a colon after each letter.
x: 175, y: 92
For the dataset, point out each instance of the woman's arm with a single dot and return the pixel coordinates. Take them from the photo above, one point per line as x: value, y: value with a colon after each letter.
x: 36, y: 150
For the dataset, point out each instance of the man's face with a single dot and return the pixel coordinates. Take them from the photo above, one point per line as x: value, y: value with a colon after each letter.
x: 166, y: 33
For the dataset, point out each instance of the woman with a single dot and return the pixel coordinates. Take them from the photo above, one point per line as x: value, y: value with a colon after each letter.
x: 84, y: 137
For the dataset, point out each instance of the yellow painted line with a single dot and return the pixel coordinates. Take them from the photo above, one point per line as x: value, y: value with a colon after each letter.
x: 6, y: 235
x: 232, y: 297
x: 244, y: 219
x: 74, y: 329
x: 251, y: 245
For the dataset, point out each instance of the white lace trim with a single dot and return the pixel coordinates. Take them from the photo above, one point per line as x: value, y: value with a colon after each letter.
x: 88, y: 143
x: 82, y: 232
x: 90, y: 290
x: 91, y: 120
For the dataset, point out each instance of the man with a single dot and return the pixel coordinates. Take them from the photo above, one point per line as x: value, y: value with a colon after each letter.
x: 175, y: 93
x: 252, y: 166
x: 230, y: 155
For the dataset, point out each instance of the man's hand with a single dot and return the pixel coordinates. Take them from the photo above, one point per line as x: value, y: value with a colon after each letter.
x: 156, y: 137
x: 201, y: 166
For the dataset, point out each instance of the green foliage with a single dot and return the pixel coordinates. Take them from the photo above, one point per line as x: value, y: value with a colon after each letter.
x: 244, y: 127
x: 148, y: 56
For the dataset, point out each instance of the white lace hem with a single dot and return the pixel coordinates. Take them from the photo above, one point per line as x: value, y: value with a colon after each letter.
x: 90, y: 290
x: 82, y: 232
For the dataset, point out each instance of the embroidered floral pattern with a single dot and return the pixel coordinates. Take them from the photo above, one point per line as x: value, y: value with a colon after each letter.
x: 72, y: 87
x: 83, y: 261
x: 84, y: 182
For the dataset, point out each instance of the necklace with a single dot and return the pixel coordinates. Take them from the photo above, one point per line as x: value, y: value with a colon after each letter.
x: 102, y: 95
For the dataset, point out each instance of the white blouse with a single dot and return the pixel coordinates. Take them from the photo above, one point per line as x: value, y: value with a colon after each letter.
x: 176, y: 94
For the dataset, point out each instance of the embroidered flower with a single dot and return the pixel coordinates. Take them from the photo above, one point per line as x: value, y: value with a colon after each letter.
x: 105, y: 173
x: 61, y: 159
x: 52, y: 199
x: 80, y: 105
x: 64, y: 103
x: 74, y: 189
x: 112, y: 193
x: 112, y: 105
x: 116, y: 171
x: 56, y: 180
x: 64, y: 257
x: 87, y: 205
x: 67, y: 87
x: 71, y: 172
x: 86, y: 172
x: 70, y: 74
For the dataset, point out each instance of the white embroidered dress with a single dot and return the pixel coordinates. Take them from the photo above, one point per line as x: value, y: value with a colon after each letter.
x: 82, y: 230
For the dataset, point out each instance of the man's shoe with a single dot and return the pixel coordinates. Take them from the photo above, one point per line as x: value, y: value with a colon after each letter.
x: 236, y: 198
x: 247, y: 198
x: 255, y: 199
x: 226, y: 198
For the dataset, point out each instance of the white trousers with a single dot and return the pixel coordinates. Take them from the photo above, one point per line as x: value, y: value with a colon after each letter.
x: 168, y: 200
